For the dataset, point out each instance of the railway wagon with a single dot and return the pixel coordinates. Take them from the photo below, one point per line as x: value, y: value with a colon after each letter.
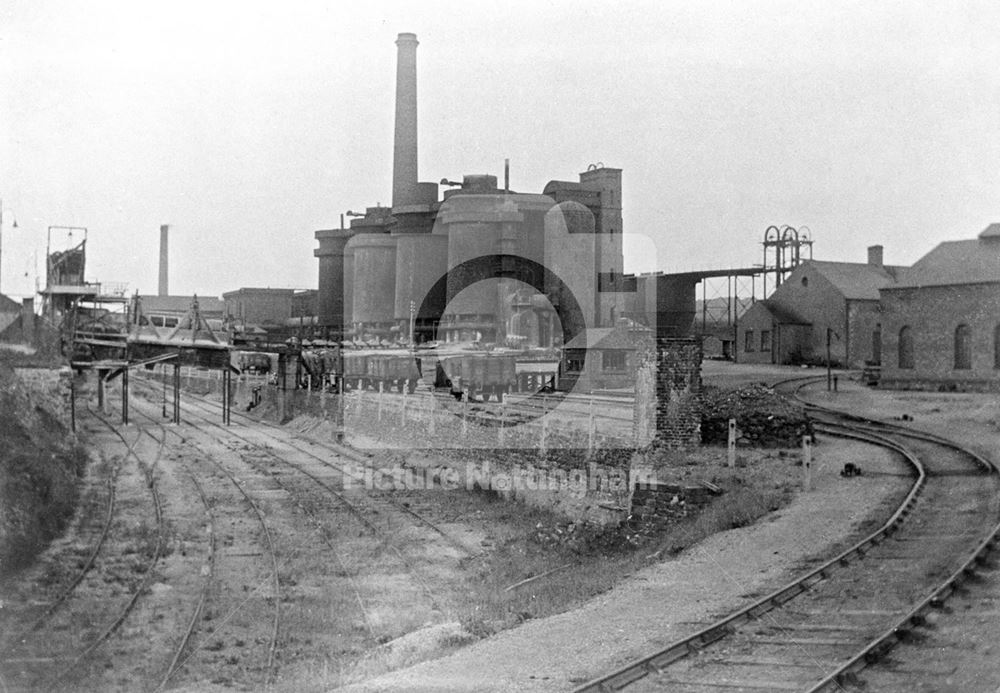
x: 254, y: 362
x: 394, y: 370
x: 321, y: 365
x: 483, y: 375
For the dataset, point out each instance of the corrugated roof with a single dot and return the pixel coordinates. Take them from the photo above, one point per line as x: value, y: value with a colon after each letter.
x: 856, y: 280
x: 974, y: 261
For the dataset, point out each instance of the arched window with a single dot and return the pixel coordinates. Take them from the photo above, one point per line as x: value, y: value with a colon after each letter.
x: 963, y: 347
x: 996, y: 347
x: 906, y: 347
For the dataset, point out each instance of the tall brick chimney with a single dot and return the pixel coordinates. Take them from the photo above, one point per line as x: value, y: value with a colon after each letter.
x: 404, y: 155
x: 875, y: 255
x: 163, y: 289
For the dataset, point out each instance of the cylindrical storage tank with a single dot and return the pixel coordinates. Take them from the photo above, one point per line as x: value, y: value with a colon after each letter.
x: 374, y: 278
x: 421, y: 261
x: 330, y: 305
x: 570, y: 254
x: 675, y: 305
x: 348, y: 288
x: 473, y: 225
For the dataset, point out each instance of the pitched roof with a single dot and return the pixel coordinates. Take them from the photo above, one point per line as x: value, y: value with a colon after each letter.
x: 9, y: 305
x: 181, y: 304
x: 782, y: 315
x: 604, y: 338
x: 973, y: 261
x: 856, y: 280
x: 991, y: 231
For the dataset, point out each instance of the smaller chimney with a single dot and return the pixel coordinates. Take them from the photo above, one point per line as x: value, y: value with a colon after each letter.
x: 163, y: 288
x: 875, y: 255
x: 28, y: 321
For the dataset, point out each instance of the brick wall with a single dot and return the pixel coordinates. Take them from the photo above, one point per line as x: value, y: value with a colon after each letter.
x: 677, y: 388
x: 933, y: 313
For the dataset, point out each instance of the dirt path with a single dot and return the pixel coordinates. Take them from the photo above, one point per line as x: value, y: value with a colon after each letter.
x: 676, y: 597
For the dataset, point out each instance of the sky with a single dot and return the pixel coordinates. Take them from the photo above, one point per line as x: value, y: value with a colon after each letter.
x: 246, y: 126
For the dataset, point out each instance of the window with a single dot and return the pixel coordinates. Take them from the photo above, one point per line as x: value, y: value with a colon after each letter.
x: 805, y: 281
x: 996, y: 347
x: 765, y: 340
x: 906, y: 347
x: 877, y: 344
x: 748, y: 341
x: 963, y: 347
x: 613, y: 360
x: 574, y: 364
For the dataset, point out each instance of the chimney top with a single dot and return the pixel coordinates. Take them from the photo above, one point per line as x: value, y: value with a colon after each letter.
x: 875, y: 255
x: 406, y: 37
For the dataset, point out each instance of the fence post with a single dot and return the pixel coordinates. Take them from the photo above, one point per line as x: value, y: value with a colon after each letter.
x: 806, y: 463
x: 380, y: 386
x: 402, y: 408
x: 502, y: 434
x: 731, y: 448
x: 465, y: 413
x: 590, y: 428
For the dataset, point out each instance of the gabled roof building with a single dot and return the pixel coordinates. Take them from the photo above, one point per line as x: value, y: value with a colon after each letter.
x: 818, y: 301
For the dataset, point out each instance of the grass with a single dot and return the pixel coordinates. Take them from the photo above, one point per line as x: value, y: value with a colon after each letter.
x: 588, y: 560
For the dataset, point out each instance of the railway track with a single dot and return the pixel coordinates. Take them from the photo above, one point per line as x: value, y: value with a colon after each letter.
x: 308, y: 480
x: 818, y: 632
x: 308, y: 448
x: 93, y: 523
x: 217, y: 592
x: 44, y: 656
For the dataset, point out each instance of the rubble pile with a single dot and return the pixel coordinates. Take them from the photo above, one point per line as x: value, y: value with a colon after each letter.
x: 763, y: 418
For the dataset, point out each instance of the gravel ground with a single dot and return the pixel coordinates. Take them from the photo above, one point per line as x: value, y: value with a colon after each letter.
x: 960, y: 650
x: 676, y: 597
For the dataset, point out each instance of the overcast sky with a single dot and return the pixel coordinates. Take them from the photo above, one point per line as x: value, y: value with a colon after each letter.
x: 246, y: 126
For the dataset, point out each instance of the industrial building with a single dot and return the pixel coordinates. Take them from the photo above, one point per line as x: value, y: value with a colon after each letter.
x: 941, y: 320
x: 478, y: 263
x: 820, y: 310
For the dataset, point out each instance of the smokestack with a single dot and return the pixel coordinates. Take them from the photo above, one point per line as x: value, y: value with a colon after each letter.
x: 163, y: 290
x: 404, y: 156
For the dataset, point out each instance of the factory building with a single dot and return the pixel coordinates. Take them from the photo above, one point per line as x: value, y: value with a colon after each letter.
x: 940, y: 324
x: 820, y: 303
x: 478, y: 263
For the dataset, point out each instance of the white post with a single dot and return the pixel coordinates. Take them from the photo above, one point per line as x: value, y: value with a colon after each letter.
x: 380, y: 400
x: 502, y: 434
x: 545, y: 434
x: 806, y: 463
x: 590, y: 427
x: 465, y: 413
x: 731, y: 451
x: 402, y: 408
x: 432, y: 410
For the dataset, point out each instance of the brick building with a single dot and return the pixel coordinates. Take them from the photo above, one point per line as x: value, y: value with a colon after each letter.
x: 941, y: 321
x: 819, y: 299
x: 605, y: 357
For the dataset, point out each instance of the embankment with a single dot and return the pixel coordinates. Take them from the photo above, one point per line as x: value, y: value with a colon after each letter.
x: 40, y: 460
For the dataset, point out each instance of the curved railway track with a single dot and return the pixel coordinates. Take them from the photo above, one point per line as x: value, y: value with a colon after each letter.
x: 305, y: 483
x: 282, y: 435
x: 68, y: 666
x: 182, y: 652
x: 63, y: 594
x: 817, y: 632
